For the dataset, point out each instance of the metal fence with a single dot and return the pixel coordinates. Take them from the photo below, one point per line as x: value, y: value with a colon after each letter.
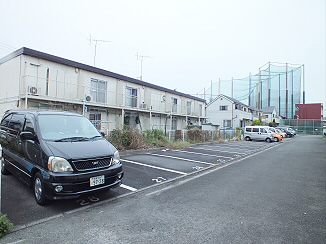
x: 204, y: 135
x: 305, y: 126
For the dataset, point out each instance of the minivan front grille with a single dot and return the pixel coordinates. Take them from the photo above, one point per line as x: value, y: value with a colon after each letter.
x: 83, y: 165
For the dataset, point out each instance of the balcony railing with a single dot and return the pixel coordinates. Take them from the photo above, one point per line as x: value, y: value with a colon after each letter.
x: 71, y: 92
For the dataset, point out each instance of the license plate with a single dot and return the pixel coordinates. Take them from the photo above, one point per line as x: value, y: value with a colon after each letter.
x: 97, y: 180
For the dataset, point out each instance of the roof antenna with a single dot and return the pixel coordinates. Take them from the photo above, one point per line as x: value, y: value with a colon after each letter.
x: 95, y: 43
x: 141, y: 57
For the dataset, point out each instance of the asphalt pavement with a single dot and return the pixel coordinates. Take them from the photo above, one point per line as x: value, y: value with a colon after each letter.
x: 274, y: 196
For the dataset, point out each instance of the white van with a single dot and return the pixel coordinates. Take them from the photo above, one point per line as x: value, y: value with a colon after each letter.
x: 257, y: 132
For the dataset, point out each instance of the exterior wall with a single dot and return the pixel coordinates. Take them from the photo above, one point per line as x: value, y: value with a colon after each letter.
x: 309, y: 111
x: 39, y: 83
x: 238, y: 117
x: 9, y: 85
x: 270, y: 117
x: 215, y: 116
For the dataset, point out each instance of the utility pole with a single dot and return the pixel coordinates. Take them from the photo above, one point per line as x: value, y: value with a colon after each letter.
x: 141, y: 57
x: 95, y: 44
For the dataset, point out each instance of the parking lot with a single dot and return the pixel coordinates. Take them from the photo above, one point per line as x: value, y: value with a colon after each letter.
x: 143, y: 168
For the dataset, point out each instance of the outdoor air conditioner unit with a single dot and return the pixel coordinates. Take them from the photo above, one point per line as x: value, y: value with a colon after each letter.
x: 33, y: 90
x: 88, y: 98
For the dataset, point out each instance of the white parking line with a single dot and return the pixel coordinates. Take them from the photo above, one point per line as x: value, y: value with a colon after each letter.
x: 247, y: 145
x: 128, y: 187
x: 184, y: 159
x: 238, y: 147
x: 215, y: 150
x: 154, y: 167
x: 212, y: 155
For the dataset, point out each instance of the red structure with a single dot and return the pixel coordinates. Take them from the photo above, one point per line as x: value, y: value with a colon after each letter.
x: 309, y: 111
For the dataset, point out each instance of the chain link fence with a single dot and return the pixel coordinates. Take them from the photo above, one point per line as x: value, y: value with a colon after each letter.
x: 305, y: 126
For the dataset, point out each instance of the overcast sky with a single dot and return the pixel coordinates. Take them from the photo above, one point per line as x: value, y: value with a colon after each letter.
x: 186, y: 44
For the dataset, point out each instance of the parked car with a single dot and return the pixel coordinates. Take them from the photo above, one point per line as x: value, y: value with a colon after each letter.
x: 61, y: 155
x: 258, y: 133
x: 282, y: 133
x: 277, y: 135
x: 289, y: 131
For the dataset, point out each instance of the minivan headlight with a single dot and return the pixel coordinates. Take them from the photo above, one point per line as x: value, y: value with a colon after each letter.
x: 116, y: 158
x: 57, y: 164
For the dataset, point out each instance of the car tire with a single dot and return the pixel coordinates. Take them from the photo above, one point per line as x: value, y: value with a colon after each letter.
x: 247, y: 138
x: 268, y: 140
x: 4, y: 169
x: 276, y: 139
x: 39, y: 192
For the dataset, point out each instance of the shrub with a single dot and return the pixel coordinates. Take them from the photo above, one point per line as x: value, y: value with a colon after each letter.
x: 256, y: 122
x: 5, y: 225
x: 155, y: 137
x: 195, y: 134
x: 127, y: 139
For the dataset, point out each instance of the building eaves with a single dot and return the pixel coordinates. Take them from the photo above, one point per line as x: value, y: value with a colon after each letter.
x: 56, y: 59
x: 229, y: 98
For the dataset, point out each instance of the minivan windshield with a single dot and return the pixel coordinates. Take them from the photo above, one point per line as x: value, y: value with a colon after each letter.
x: 59, y: 127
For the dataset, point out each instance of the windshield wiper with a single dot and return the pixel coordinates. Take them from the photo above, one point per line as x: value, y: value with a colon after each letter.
x: 92, y: 138
x: 75, y: 138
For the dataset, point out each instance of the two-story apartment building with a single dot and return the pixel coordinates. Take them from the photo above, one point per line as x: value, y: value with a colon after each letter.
x: 228, y: 113
x: 30, y: 79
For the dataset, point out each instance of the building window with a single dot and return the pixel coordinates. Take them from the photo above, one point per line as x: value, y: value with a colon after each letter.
x: 174, y: 104
x: 227, y: 123
x: 223, y: 108
x: 96, y: 120
x: 98, y: 90
x: 188, y: 107
x: 131, y: 97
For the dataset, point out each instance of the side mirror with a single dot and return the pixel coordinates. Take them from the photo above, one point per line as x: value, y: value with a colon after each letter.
x: 27, y: 135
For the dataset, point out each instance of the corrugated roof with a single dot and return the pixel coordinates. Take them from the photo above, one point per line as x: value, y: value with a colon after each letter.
x: 52, y: 58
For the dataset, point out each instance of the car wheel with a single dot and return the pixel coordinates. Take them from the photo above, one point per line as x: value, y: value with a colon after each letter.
x: 247, y: 138
x: 268, y: 140
x: 4, y: 170
x: 276, y: 139
x: 39, y: 193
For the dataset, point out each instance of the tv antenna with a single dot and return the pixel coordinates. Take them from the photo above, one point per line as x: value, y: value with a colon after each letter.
x: 141, y: 57
x: 95, y: 42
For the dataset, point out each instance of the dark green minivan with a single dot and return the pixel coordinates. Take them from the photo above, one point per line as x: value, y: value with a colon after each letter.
x: 61, y: 155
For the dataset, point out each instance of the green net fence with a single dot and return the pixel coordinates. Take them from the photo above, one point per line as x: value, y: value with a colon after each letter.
x: 279, y: 85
